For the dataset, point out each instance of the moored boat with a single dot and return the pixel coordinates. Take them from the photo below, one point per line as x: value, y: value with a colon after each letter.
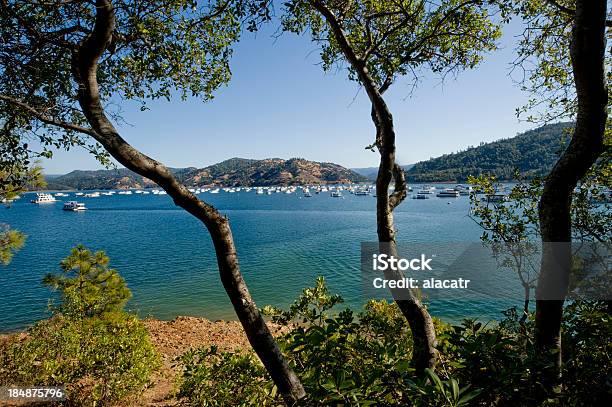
x: 448, y: 193
x: 42, y: 198
x: 74, y: 206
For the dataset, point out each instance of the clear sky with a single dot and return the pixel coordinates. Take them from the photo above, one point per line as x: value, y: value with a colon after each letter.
x: 280, y: 103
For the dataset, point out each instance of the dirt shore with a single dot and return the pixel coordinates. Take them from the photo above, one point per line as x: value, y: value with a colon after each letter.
x: 173, y: 338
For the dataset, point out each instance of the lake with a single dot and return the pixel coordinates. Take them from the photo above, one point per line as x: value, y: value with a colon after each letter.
x: 284, y: 242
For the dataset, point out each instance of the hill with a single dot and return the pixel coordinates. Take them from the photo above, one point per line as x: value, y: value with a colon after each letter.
x: 119, y: 178
x: 532, y: 153
x: 371, y: 172
x: 232, y: 172
x: 271, y: 171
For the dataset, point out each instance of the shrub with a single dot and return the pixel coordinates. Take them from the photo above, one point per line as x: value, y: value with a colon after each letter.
x: 364, y: 359
x: 91, y: 345
x: 342, y: 359
x: 213, y: 378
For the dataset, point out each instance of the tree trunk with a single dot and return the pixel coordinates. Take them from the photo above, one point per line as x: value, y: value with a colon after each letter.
x: 587, y: 55
x: 421, y: 325
x: 84, y: 67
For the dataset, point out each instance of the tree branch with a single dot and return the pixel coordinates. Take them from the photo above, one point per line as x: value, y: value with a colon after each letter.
x: 400, y: 189
x: 47, y: 119
x: 569, y: 11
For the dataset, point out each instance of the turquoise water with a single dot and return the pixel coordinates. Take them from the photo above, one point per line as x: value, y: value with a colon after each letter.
x: 284, y: 242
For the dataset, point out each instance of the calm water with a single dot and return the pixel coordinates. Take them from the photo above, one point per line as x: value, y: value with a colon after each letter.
x: 284, y: 242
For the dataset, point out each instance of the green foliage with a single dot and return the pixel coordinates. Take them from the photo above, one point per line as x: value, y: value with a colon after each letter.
x: 14, y: 180
x: 159, y: 49
x: 397, y: 38
x: 343, y: 359
x: 10, y: 242
x: 88, y: 287
x: 543, y: 57
x: 500, y: 359
x: 91, y: 345
x: 213, y: 378
x: 587, y: 353
x: 531, y: 154
x: 100, y: 360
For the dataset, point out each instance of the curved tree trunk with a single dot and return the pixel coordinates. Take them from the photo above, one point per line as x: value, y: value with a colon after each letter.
x: 84, y: 67
x: 421, y: 324
x: 587, y: 55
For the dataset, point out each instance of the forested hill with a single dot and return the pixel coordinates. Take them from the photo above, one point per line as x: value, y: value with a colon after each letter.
x: 532, y: 153
x: 232, y: 172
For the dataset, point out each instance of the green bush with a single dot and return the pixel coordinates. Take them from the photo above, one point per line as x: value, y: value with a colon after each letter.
x: 364, y: 359
x: 213, y: 378
x: 342, y: 359
x: 101, y: 355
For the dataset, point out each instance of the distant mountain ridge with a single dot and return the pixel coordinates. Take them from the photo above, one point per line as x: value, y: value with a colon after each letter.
x: 232, y: 172
x: 532, y: 153
x: 372, y: 172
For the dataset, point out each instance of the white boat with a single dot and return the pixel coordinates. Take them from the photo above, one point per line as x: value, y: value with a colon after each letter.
x: 336, y: 194
x: 421, y: 196
x: 61, y: 194
x: 448, y: 193
x: 215, y: 191
x: 307, y: 193
x: 92, y: 195
x: 74, y: 206
x: 259, y: 191
x: 464, y: 190
x: 426, y: 189
x: 361, y: 192
x: 42, y: 198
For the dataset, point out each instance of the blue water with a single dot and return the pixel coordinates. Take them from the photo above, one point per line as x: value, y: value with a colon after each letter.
x: 284, y: 242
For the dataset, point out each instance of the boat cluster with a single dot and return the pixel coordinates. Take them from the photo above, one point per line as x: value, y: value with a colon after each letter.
x: 306, y: 191
x: 456, y: 192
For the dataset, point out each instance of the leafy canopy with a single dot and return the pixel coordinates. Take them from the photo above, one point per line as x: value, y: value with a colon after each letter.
x: 543, y: 64
x: 394, y: 38
x: 159, y: 48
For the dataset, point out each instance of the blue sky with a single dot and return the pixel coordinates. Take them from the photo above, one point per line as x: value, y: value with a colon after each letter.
x: 281, y: 104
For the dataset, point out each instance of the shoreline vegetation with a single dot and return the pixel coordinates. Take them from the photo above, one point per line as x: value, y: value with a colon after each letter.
x: 171, y: 339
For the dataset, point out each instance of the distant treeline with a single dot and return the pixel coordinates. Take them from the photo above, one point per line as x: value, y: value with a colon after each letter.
x: 532, y: 154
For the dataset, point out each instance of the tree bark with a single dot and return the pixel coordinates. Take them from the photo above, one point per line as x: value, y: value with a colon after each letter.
x: 587, y: 50
x: 84, y: 68
x: 421, y: 324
